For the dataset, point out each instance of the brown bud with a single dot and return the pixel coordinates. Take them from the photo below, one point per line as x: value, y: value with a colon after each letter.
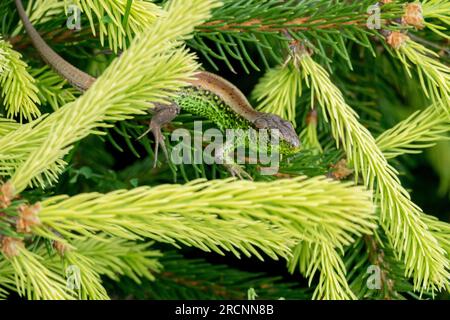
x: 311, y: 118
x: 6, y: 194
x: 11, y: 246
x: 341, y: 170
x: 413, y: 15
x: 60, y: 247
x: 396, y: 39
x: 28, y: 217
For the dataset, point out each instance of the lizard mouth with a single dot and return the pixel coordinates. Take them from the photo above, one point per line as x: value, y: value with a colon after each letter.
x: 293, y: 140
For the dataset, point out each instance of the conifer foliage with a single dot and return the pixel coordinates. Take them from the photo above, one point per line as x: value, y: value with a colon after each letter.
x: 85, y: 215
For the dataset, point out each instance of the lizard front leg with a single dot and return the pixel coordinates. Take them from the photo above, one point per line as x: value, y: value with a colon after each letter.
x: 224, y: 156
x: 162, y: 115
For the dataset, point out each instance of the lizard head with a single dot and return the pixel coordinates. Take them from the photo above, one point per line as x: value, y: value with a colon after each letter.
x: 285, y: 128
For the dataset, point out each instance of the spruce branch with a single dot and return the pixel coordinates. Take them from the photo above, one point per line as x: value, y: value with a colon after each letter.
x: 17, y: 86
x: 424, y: 258
x: 441, y: 231
x: 332, y: 281
x: 246, y: 16
x: 309, y: 135
x: 322, y: 256
x: 375, y: 271
x: 376, y: 256
x: 15, y: 146
x: 437, y: 10
x: 52, y: 88
x: 39, y: 11
x: 7, y: 279
x: 3, y: 58
x: 433, y: 75
x: 102, y: 256
x: 241, y: 26
x: 88, y: 282
x: 7, y: 125
x: 322, y: 222
x: 271, y: 215
x: 420, y: 130
x: 306, y: 211
x: 107, y: 17
x: 115, y: 257
x: 32, y: 279
x: 277, y: 92
x: 37, y: 272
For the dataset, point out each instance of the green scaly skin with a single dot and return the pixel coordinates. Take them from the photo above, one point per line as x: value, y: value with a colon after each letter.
x: 206, y: 104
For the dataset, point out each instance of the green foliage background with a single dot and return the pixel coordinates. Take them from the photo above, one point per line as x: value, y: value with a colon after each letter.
x: 218, y: 238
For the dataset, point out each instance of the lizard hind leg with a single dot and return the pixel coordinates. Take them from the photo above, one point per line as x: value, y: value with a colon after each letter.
x: 224, y: 157
x: 238, y: 171
x: 162, y: 115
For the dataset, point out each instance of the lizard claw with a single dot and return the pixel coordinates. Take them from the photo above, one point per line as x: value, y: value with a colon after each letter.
x: 163, y: 114
x: 237, y: 171
x: 159, y: 141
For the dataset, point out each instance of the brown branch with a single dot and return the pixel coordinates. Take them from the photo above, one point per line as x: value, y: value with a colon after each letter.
x: 376, y: 257
x: 297, y: 24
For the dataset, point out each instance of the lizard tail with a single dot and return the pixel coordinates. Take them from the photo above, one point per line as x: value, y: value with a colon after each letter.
x: 74, y: 76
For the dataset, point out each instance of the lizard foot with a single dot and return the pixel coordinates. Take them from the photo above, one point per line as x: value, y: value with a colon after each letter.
x: 237, y: 171
x: 163, y: 114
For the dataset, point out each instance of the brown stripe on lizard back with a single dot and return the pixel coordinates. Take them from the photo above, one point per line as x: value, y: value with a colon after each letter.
x: 227, y: 92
